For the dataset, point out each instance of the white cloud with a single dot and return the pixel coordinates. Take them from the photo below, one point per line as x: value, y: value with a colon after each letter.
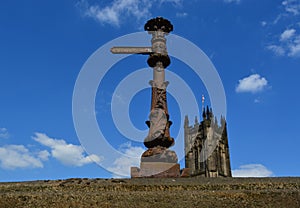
x: 4, y: 133
x: 278, y: 50
x: 252, y: 170
x: 18, y: 156
x: 292, y: 6
x: 294, y: 47
x: 108, y: 15
x: 131, y: 158
x: 120, y: 10
x: 287, y: 34
x: 254, y: 83
x: 232, y: 1
x: 174, y: 2
x: 257, y: 100
x: 263, y: 23
x: 44, y: 155
x: 294, y: 51
x: 287, y: 43
x: 67, y: 154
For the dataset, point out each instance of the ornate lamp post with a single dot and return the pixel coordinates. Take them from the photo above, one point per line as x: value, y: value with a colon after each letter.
x: 158, y: 160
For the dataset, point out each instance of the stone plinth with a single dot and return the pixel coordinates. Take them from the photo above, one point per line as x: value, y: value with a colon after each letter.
x: 157, y: 162
x: 159, y: 154
x: 156, y: 170
x: 185, y: 172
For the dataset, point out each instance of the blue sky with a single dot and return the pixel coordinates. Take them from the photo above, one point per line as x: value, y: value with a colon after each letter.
x: 254, y: 45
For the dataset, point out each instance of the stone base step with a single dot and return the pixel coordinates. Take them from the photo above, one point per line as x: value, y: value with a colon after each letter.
x: 156, y: 170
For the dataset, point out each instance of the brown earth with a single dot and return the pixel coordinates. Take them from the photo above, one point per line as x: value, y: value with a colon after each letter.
x: 177, y: 192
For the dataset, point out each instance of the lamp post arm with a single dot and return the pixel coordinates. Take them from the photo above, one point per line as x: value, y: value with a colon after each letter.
x: 131, y: 50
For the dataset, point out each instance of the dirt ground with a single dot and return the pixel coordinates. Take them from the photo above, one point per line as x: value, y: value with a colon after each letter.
x: 177, y: 192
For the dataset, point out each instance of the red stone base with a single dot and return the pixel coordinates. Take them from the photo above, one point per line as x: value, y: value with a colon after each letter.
x: 185, y: 172
x: 156, y: 170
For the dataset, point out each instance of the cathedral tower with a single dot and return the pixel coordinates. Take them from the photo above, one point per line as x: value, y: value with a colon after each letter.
x: 206, y: 147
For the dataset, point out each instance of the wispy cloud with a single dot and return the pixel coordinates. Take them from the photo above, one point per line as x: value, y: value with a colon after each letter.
x: 131, y: 158
x: 232, y: 1
x: 287, y: 34
x: 277, y: 50
x: 263, y: 23
x: 252, y: 170
x: 286, y: 43
x: 181, y: 14
x: 43, y: 155
x: 4, y: 133
x: 119, y: 10
x: 292, y: 6
x: 257, y: 100
x: 67, y: 154
x: 254, y: 83
x: 18, y: 156
x: 294, y: 47
x: 111, y: 14
x: 174, y: 2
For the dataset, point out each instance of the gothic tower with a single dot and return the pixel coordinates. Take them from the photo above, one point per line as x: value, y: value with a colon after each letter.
x: 206, y: 147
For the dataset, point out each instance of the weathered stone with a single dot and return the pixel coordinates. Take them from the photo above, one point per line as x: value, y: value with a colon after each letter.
x: 157, y: 161
x: 156, y: 170
x: 135, y: 172
x: 159, y: 154
x: 185, y: 172
x: 206, y: 147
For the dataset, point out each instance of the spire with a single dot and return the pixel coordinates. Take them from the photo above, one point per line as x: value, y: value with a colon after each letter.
x: 207, y: 113
x: 186, y: 121
x: 204, y: 114
x: 223, y: 121
x: 216, y: 121
x: 196, y: 120
x: 211, y: 114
